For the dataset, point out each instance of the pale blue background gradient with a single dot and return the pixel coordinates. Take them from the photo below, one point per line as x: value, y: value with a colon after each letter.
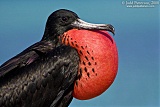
x: 22, y: 23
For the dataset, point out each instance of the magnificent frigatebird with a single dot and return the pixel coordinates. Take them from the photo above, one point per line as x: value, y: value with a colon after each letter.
x: 44, y: 74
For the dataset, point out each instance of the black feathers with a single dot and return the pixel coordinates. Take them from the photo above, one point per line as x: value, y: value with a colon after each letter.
x: 43, y: 82
x: 43, y: 74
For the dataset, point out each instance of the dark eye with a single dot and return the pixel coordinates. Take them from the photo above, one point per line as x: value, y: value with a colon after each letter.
x: 65, y: 19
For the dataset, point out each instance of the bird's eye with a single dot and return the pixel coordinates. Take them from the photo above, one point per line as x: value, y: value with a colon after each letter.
x: 65, y: 19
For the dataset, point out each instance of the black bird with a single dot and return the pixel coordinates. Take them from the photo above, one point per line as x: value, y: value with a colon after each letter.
x: 43, y: 75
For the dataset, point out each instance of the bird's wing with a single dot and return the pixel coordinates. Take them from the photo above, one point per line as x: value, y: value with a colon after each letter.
x: 26, y: 57
x: 47, y: 81
x: 65, y: 99
x: 70, y: 62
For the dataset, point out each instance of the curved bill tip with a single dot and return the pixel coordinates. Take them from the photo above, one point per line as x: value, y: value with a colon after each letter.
x: 80, y: 24
x: 111, y: 29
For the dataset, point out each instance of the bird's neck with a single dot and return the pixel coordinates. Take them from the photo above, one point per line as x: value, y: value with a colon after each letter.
x: 50, y: 36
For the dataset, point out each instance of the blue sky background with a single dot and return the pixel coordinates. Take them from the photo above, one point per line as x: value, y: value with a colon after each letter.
x: 22, y: 23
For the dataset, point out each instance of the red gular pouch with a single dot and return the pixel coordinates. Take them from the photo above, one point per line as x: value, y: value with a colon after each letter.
x: 98, y: 64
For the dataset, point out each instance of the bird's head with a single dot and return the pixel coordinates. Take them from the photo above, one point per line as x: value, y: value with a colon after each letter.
x: 63, y: 20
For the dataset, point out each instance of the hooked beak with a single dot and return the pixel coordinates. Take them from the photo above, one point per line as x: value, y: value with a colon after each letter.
x: 80, y: 24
